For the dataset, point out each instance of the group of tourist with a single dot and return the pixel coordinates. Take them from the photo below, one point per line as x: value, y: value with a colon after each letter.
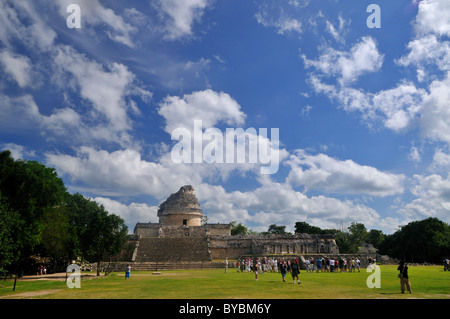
x: 42, y: 270
x: 283, y: 266
x: 260, y: 264
x: 320, y: 264
x: 340, y: 264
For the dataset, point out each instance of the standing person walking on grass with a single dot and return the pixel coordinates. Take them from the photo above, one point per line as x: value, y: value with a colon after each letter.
x: 319, y: 264
x: 226, y: 264
x: 255, y: 268
x: 358, y: 264
x: 283, y: 270
x: 295, y: 269
x: 404, y: 278
x: 127, y: 271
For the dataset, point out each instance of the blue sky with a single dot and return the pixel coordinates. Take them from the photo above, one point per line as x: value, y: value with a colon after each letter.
x: 363, y: 114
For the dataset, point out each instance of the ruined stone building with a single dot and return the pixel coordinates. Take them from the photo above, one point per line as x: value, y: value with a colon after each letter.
x: 180, y: 236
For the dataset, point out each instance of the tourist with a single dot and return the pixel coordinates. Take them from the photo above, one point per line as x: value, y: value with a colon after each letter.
x: 319, y: 264
x: 283, y: 270
x: 341, y: 264
x: 446, y: 264
x: 255, y: 268
x: 226, y: 264
x: 358, y: 264
x: 127, y: 271
x: 307, y: 265
x: 404, y: 278
x: 331, y: 264
x: 295, y: 269
x: 314, y: 264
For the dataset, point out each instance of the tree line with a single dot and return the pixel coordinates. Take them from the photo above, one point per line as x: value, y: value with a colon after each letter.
x: 426, y: 240
x: 39, y: 217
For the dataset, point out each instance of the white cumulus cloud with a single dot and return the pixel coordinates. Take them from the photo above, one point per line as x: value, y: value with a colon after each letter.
x: 209, y: 106
x: 347, y: 66
x: 321, y: 172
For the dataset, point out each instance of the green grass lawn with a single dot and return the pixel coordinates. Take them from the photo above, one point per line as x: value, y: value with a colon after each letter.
x: 429, y: 282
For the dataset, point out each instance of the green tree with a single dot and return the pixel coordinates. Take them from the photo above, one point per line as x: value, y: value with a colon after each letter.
x: 357, y: 235
x: 238, y: 229
x: 99, y: 234
x: 343, y: 242
x: 10, y: 224
x: 57, y: 241
x: 305, y: 228
x: 29, y: 189
x: 426, y: 240
x: 277, y: 230
x: 375, y: 237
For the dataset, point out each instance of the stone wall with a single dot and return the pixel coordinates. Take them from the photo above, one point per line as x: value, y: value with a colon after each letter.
x: 188, y: 249
x: 218, y: 229
x: 179, y: 218
x: 157, y: 230
x: 182, y: 231
x: 298, y: 244
x: 230, y: 246
x: 146, y: 229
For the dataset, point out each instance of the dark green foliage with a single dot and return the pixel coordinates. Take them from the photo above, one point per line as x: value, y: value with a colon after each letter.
x: 426, y: 240
x: 10, y: 224
x: 38, y: 216
x: 96, y: 234
x: 277, y: 230
x: 305, y: 228
x: 238, y: 229
x: 28, y: 190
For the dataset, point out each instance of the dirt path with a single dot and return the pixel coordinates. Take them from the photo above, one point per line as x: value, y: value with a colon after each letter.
x: 56, y: 276
x: 31, y: 294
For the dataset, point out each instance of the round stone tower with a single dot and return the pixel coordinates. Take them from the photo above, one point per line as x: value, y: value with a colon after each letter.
x: 181, y: 209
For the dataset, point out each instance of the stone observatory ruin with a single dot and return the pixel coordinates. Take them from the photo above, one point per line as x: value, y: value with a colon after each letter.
x: 181, y: 209
x: 180, y: 236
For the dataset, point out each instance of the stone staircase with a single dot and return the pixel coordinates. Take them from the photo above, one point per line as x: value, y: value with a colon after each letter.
x: 170, y: 250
